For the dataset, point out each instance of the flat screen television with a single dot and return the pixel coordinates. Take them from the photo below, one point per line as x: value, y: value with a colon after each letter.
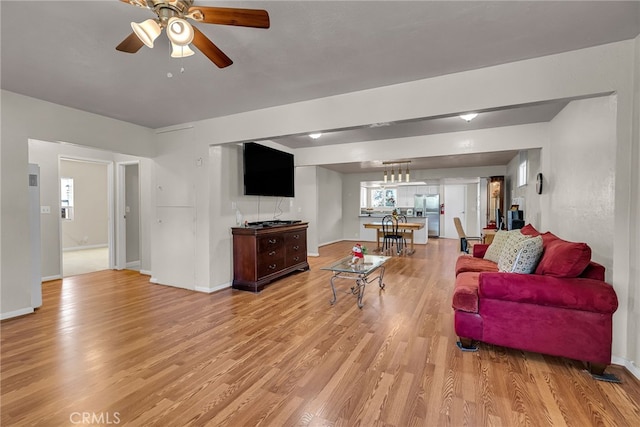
x: 267, y: 171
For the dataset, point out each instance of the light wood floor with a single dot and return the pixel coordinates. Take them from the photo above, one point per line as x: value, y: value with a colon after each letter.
x: 116, y: 349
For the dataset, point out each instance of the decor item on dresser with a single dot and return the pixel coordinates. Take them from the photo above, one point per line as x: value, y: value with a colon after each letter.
x: 266, y: 251
x: 536, y: 292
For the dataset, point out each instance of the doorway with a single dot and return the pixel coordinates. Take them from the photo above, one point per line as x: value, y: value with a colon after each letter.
x: 462, y: 201
x: 128, y: 216
x: 85, y: 231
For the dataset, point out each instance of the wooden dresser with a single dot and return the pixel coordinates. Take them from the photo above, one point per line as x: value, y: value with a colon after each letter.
x: 264, y: 254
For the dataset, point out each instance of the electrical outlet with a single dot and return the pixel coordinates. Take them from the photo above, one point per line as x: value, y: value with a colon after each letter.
x: 45, y: 209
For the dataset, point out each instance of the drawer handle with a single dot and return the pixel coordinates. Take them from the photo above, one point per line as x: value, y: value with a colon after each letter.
x: 272, y: 253
x: 296, y: 236
x: 272, y: 267
x: 296, y: 258
x: 272, y: 241
x: 295, y: 248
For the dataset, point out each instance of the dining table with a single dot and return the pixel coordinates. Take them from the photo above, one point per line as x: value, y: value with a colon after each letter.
x: 406, y: 228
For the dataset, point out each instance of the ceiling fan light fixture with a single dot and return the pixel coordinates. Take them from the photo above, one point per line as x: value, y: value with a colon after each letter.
x: 179, y: 31
x: 315, y: 135
x: 147, y: 31
x: 178, y: 51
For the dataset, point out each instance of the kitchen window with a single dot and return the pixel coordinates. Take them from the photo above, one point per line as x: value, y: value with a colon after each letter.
x: 384, y: 197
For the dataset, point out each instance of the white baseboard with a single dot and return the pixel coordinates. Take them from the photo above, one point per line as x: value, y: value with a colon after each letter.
x: 145, y: 272
x: 214, y: 289
x: 133, y: 265
x: 79, y: 248
x: 313, y: 254
x: 49, y: 278
x: 329, y: 243
x: 16, y: 313
x: 631, y: 367
x: 153, y: 279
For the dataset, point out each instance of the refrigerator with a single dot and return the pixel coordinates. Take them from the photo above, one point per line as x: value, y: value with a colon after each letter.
x: 428, y: 205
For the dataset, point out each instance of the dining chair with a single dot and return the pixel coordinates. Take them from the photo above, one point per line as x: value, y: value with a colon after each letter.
x: 391, y: 235
x: 464, y: 239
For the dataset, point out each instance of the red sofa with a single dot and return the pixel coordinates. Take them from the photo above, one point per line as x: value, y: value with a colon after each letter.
x: 563, y: 308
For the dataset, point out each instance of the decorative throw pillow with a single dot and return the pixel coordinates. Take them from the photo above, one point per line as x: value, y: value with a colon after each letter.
x: 562, y: 258
x: 510, y: 251
x: 529, y: 230
x: 495, y: 248
x: 529, y: 253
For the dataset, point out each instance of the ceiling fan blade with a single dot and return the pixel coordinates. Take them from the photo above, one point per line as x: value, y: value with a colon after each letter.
x: 230, y: 16
x: 131, y: 44
x: 210, y: 50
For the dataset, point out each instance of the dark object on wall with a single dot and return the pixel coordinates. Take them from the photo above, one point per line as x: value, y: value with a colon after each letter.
x: 515, y: 219
x: 267, y: 171
x: 539, y: 183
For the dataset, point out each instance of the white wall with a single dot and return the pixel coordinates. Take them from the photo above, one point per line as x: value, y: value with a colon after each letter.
x: 632, y: 338
x: 90, y: 223
x: 581, y: 185
x: 531, y: 207
x: 330, y: 206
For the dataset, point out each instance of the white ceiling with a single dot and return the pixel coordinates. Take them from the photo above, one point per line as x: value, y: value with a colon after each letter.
x: 64, y: 52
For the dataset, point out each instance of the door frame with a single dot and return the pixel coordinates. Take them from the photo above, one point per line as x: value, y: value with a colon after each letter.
x: 121, y: 206
x: 110, y: 206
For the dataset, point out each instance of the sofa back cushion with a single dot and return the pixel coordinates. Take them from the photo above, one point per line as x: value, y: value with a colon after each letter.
x: 495, y: 248
x: 562, y: 258
x: 529, y: 230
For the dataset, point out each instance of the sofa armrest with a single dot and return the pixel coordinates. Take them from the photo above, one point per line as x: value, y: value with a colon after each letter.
x: 572, y: 293
x: 594, y: 271
x: 479, y: 249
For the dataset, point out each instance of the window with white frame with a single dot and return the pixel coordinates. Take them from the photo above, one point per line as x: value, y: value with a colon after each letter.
x: 522, y: 169
x: 383, y: 197
x: 66, y: 198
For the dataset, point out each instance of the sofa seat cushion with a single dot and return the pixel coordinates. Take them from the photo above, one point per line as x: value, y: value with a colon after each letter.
x: 562, y: 258
x: 570, y: 293
x: 468, y: 263
x: 465, y: 293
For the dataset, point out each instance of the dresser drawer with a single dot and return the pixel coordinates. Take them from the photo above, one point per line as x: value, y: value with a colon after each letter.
x: 270, y: 243
x: 269, y: 264
x: 295, y: 243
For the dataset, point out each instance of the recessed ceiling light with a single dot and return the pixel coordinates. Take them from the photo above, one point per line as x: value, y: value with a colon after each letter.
x: 468, y: 117
x: 315, y: 135
x: 379, y: 125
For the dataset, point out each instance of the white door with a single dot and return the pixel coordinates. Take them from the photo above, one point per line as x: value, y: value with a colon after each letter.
x: 454, y: 200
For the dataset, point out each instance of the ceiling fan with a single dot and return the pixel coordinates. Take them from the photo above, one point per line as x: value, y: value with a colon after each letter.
x: 172, y: 15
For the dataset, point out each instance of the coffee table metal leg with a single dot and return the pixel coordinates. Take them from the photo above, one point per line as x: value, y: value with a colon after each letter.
x: 360, y: 283
x: 380, y: 282
x: 333, y: 288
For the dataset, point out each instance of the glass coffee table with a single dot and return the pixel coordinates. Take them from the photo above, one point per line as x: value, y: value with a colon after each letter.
x: 362, y: 273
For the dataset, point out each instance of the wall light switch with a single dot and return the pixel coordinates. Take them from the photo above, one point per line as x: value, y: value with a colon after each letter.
x: 233, y: 206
